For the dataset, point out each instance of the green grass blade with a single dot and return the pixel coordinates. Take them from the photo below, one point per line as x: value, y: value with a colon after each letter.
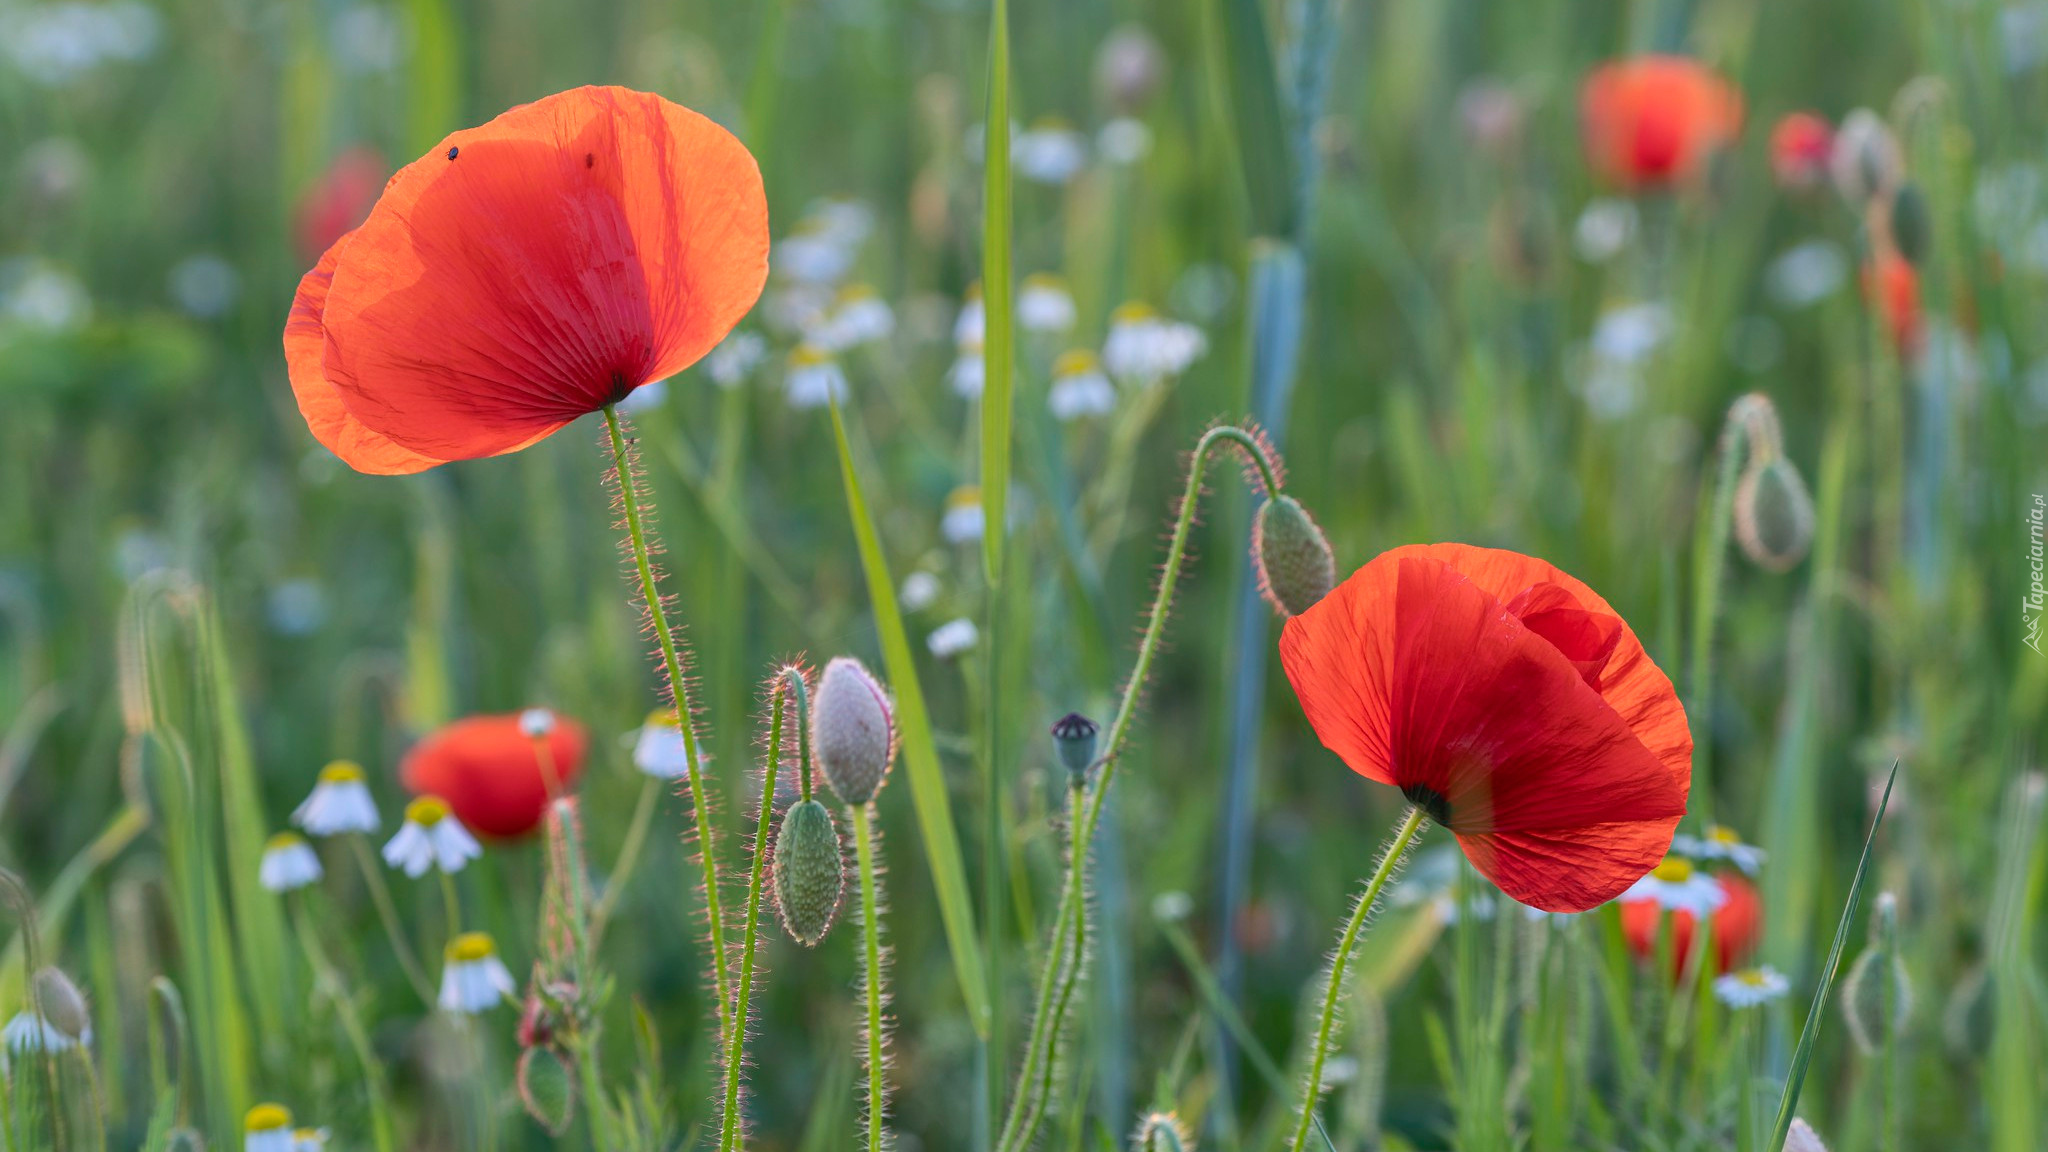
x: 1258, y: 120
x: 1000, y: 315
x: 920, y: 753
x: 1802, y: 1055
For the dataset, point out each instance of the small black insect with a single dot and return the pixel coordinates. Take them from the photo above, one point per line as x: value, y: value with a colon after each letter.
x: 452, y: 152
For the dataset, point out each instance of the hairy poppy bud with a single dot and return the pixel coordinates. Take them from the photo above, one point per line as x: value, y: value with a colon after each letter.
x: 853, y: 734
x: 808, y: 873
x: 1866, y: 161
x: 1877, y: 996
x: 1912, y: 228
x: 1773, y: 514
x: 1161, y: 1132
x: 546, y: 1089
x: 60, y: 1003
x: 1074, y: 736
x: 1296, y: 568
x: 1801, y: 1138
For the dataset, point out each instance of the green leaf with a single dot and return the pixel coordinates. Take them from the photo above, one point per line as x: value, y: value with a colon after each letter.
x: 999, y: 314
x: 920, y: 754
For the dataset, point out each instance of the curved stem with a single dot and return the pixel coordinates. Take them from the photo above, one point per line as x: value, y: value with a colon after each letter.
x: 735, y: 1036
x: 380, y: 895
x: 1045, y: 1028
x: 871, y: 943
x: 679, y: 694
x: 452, y: 903
x: 1312, y: 1085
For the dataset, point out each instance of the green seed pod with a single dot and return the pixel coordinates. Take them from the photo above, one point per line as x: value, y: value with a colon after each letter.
x: 1161, y: 1132
x: 853, y: 733
x: 1912, y: 226
x: 1296, y: 568
x: 547, y: 1089
x: 60, y: 1003
x: 809, y: 874
x: 1773, y: 514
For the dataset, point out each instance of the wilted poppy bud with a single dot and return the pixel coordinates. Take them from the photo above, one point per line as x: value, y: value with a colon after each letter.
x: 1912, y: 230
x: 546, y: 1089
x: 1801, y: 146
x: 1877, y: 996
x: 853, y: 734
x: 60, y: 1003
x: 1161, y: 1132
x: 1073, y: 735
x: 1866, y: 161
x: 1296, y: 568
x: 808, y: 872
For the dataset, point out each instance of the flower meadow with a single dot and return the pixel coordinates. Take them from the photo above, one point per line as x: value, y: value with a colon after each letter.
x: 931, y: 574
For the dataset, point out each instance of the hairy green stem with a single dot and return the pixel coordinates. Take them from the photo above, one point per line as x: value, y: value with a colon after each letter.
x: 1034, y: 1095
x: 735, y: 1037
x: 380, y: 895
x: 679, y: 696
x: 871, y: 957
x: 1326, y: 1024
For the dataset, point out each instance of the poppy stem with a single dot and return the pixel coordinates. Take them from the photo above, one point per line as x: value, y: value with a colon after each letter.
x: 735, y: 1038
x: 1326, y: 1026
x: 862, y: 819
x: 380, y: 895
x: 679, y: 696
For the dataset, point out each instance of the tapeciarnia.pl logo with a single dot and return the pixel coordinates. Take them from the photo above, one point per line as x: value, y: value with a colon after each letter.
x: 2035, y: 608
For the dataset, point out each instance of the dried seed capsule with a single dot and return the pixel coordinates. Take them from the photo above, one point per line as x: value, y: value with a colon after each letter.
x: 853, y: 733
x: 1073, y: 735
x: 1296, y: 568
x: 809, y: 875
x: 546, y: 1089
x: 1773, y: 514
x: 60, y: 1003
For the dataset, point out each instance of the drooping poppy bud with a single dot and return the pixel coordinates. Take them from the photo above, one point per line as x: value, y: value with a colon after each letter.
x: 1877, y: 995
x: 1073, y: 735
x: 1296, y: 567
x: 853, y: 731
x: 1161, y: 1132
x: 60, y: 1003
x: 809, y: 873
x: 546, y: 1089
x: 1801, y: 145
x: 1772, y: 511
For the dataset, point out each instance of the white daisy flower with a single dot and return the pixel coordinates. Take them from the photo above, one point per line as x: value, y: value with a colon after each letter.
x: 813, y: 254
x: 1604, y: 229
x: 1079, y: 387
x: 1049, y: 152
x: 1172, y: 907
x: 536, y: 723
x: 29, y: 1032
x: 1675, y: 885
x: 1629, y: 333
x: 473, y: 979
x: 1124, y: 140
x: 971, y: 324
x: 431, y: 838
x: 1806, y: 273
x: 962, y: 523
x: 288, y: 863
x: 920, y: 591
x: 814, y: 379
x: 660, y: 751
x: 858, y: 317
x: 735, y: 358
x: 1044, y: 304
x: 1144, y: 347
x: 953, y: 637
x: 1720, y: 843
x: 969, y: 372
x: 310, y: 1139
x: 340, y: 802
x: 796, y: 309
x: 267, y: 1128
x: 1750, y: 987
x: 847, y: 221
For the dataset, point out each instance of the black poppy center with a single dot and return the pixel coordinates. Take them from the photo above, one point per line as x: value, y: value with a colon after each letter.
x: 1429, y: 800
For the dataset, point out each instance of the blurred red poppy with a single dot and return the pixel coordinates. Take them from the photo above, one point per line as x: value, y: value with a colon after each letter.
x: 1509, y: 701
x: 1652, y: 121
x: 339, y: 200
x: 1892, y: 286
x: 487, y: 769
x: 1801, y: 146
x: 526, y: 273
x: 1736, y: 925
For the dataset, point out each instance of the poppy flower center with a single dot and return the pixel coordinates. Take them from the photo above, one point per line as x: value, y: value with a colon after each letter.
x: 1429, y: 800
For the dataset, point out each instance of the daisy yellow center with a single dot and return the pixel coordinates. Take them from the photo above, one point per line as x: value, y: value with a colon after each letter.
x: 1044, y: 282
x: 342, y: 772
x: 1723, y: 834
x: 965, y: 496
x: 309, y: 1135
x: 855, y: 294
x: 1048, y: 124
x: 471, y: 947
x: 1754, y: 977
x: 1073, y: 362
x: 267, y: 1118
x: 1134, y: 312
x: 1673, y: 870
x: 661, y: 718
x: 973, y: 294
x: 427, y: 811
x: 282, y: 841
x: 809, y: 356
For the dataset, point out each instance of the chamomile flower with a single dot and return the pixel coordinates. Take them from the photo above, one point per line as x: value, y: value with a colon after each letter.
x: 1750, y: 987
x: 267, y: 1128
x: 969, y: 372
x: 29, y: 1032
x: 1049, y: 152
x: 920, y: 591
x: 473, y: 979
x: 814, y: 379
x: 1079, y: 387
x: 971, y: 324
x: 1144, y: 347
x: 735, y: 358
x: 659, y: 749
x: 952, y: 638
x: 858, y: 317
x: 1124, y: 140
x: 310, y: 1139
x: 288, y: 863
x: 431, y: 838
x: 536, y: 723
x: 1720, y: 843
x: 813, y: 254
x: 340, y: 802
x: 1676, y: 885
x: 962, y: 522
x: 1044, y: 304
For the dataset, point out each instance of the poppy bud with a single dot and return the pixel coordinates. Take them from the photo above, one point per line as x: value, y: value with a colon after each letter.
x: 1866, y: 160
x: 1801, y: 1138
x: 1877, y: 996
x: 853, y: 734
x: 1969, y: 1019
x: 184, y: 1140
x: 1074, y: 736
x: 1296, y: 568
x: 1773, y: 514
x: 1161, y: 1132
x: 808, y: 872
x: 60, y: 1003
x: 1801, y: 145
x: 546, y: 1090
x: 536, y: 723
x: 1912, y: 230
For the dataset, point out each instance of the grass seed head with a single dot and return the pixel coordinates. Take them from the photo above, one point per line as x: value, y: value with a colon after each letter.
x: 809, y: 877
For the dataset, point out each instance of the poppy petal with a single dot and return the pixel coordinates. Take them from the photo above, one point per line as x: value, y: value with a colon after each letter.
x: 486, y: 770
x: 1573, y: 869
x: 541, y: 266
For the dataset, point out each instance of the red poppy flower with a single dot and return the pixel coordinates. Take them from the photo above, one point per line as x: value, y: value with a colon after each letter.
x: 486, y: 768
x: 1892, y: 285
x: 1509, y: 701
x: 1652, y: 121
x: 526, y: 273
x: 1801, y: 146
x: 1736, y: 925
x: 339, y: 200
